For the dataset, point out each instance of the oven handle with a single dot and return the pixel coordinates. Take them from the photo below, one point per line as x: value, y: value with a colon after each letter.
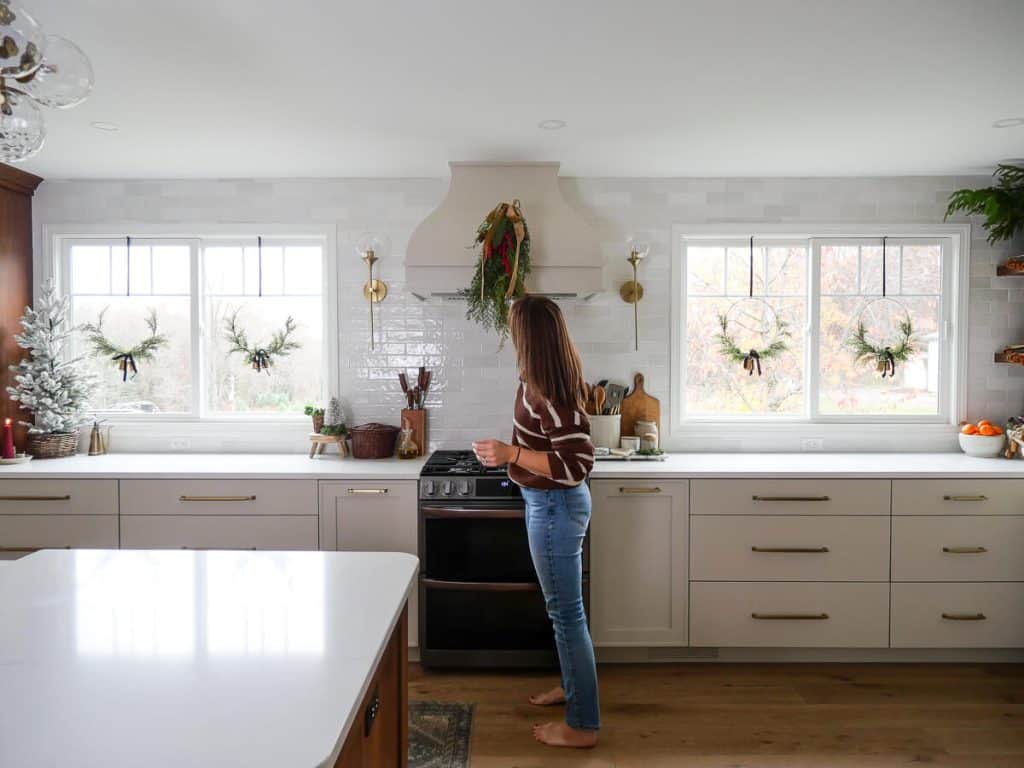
x: 462, y: 513
x: 482, y: 586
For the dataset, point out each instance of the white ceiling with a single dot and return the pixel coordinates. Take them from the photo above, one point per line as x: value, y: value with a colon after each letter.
x: 302, y: 88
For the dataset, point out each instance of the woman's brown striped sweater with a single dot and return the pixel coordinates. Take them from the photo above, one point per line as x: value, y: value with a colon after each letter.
x: 563, y: 433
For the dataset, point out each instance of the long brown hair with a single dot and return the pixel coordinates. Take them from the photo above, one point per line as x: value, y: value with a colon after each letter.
x: 548, y: 360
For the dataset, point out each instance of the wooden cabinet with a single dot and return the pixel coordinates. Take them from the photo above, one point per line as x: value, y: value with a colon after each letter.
x: 638, y: 550
x: 57, y: 514
x: 371, y: 516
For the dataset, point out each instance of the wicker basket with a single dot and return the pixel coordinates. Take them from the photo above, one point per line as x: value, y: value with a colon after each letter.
x: 53, y: 446
x: 373, y: 441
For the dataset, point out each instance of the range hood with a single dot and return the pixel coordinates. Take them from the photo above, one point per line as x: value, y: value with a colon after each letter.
x: 564, y: 251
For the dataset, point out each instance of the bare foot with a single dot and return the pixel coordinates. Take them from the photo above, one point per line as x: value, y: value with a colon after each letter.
x: 549, y: 698
x: 561, y: 735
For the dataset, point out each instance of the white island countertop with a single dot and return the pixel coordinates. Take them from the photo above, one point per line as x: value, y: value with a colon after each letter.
x: 170, y: 659
x: 676, y: 465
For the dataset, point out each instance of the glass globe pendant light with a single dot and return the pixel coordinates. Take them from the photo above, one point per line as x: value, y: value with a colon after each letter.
x: 64, y: 79
x: 22, y: 131
x: 22, y: 42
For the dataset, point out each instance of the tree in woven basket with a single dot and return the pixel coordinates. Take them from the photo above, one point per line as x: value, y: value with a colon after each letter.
x: 47, y: 383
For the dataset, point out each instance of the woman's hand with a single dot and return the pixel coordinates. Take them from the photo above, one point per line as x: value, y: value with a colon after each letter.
x: 493, y: 453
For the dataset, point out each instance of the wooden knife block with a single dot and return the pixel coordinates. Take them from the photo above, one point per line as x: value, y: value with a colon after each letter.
x: 417, y: 419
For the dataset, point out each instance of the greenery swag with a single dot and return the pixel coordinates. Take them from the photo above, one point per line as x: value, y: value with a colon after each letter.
x: 127, y: 360
x: 751, y: 358
x: 260, y: 356
x: 884, y: 356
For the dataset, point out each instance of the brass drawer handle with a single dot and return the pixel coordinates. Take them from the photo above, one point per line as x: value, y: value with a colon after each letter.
x: 964, y: 616
x: 369, y: 491
x: 965, y: 498
x: 789, y: 616
x: 628, y: 489
x: 217, y: 498
x: 19, y: 550
x: 65, y: 497
x: 791, y: 498
x: 964, y: 550
x: 793, y: 550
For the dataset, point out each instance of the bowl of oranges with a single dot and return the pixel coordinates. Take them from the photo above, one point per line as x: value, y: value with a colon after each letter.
x: 982, y: 439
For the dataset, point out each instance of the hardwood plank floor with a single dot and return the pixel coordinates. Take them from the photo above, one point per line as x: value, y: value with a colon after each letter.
x: 758, y: 716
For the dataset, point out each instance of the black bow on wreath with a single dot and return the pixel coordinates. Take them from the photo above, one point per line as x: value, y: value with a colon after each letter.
x: 887, y: 363
x: 751, y: 362
x: 261, y: 361
x: 126, y: 362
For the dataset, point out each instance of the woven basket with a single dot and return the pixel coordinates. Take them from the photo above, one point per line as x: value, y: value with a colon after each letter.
x: 53, y: 446
x: 373, y: 441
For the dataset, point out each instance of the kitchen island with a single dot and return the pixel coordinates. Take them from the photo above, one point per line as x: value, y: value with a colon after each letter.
x: 169, y: 659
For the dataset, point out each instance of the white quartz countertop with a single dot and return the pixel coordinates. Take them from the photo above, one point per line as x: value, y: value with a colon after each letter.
x: 676, y: 465
x: 167, y: 659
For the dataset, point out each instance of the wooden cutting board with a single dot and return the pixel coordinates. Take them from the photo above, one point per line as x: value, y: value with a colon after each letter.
x: 639, y: 406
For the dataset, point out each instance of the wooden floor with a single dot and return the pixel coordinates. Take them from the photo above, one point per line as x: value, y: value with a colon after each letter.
x: 748, y: 716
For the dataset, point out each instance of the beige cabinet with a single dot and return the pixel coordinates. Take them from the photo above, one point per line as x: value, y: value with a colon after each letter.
x: 57, y: 514
x: 970, y: 615
x: 800, y: 496
x: 958, y: 497
x: 638, y: 562
x: 372, y: 516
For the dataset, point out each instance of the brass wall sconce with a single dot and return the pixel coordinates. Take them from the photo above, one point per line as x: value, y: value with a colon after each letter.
x: 370, y: 247
x: 632, y: 292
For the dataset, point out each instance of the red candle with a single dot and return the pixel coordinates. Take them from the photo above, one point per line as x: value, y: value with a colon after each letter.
x: 8, y: 452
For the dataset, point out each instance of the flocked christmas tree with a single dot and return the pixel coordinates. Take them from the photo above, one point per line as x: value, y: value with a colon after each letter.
x: 48, y: 384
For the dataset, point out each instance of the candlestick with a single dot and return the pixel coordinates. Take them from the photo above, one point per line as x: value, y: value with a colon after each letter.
x: 8, y: 451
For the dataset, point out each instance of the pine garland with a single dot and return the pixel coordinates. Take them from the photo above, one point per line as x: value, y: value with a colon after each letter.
x: 126, y: 359
x: 261, y: 358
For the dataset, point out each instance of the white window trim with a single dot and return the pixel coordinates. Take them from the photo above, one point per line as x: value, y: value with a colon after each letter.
x: 50, y: 262
x: 840, y: 433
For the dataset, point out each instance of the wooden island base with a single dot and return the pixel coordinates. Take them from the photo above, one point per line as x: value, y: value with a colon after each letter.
x: 379, y: 736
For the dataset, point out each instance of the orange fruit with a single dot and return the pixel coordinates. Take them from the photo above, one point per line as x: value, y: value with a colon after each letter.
x: 987, y: 430
x: 969, y: 429
x: 984, y: 423
x: 998, y: 430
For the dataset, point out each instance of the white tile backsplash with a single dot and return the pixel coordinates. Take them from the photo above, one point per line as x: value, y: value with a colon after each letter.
x: 473, y: 380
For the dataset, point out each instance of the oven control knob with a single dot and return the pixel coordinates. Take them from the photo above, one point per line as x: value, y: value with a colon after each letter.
x: 446, y: 487
x: 428, y: 487
x: 464, y: 488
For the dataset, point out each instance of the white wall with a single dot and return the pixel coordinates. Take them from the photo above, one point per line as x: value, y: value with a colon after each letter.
x: 473, y: 383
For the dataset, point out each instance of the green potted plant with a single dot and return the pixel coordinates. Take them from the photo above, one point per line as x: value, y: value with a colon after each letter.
x: 1002, y: 205
x: 317, y: 414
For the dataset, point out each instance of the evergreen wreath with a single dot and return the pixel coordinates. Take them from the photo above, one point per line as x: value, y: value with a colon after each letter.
x: 504, y: 240
x: 126, y: 359
x: 885, y: 356
x: 751, y: 359
x: 260, y: 357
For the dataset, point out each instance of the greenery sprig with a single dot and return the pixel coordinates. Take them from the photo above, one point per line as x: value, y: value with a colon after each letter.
x: 885, y: 357
x: 751, y: 358
x: 1002, y: 205
x: 260, y: 357
x: 126, y: 359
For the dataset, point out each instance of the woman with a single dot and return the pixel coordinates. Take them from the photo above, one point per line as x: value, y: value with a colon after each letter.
x: 550, y: 458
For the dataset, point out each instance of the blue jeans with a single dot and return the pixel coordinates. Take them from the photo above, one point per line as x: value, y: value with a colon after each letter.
x: 556, y: 522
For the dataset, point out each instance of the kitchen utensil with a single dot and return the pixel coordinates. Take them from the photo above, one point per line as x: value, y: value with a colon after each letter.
x: 404, y: 381
x: 613, y: 397
x: 410, y: 398
x: 604, y: 431
x: 598, y: 400
x: 639, y: 406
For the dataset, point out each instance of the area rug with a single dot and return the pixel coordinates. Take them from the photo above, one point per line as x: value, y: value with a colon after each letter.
x: 439, y: 733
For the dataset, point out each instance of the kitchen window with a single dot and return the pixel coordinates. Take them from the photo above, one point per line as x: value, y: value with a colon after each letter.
x: 192, y: 287
x: 811, y: 292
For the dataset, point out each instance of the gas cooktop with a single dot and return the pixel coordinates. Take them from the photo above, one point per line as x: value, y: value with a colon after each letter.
x: 458, y: 464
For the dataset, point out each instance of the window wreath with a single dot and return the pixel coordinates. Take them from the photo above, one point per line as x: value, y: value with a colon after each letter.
x: 260, y: 356
x: 126, y: 360
x: 504, y: 241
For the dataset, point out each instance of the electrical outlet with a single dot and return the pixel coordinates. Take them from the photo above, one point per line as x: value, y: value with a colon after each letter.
x: 813, y: 444
x: 180, y: 443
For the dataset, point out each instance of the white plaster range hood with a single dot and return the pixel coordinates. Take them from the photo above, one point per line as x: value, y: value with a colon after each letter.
x: 564, y: 250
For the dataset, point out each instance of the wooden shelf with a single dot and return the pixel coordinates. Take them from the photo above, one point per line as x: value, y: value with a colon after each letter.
x: 1002, y: 358
x: 1002, y: 271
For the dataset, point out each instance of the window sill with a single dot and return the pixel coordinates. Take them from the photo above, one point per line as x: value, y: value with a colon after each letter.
x: 792, y: 436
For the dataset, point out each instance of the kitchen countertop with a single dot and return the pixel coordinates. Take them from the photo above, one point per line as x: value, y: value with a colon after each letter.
x: 676, y: 465
x: 108, y: 658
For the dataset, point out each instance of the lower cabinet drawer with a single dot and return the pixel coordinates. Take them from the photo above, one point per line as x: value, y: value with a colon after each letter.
x: 795, y: 615
x: 789, y: 548
x: 958, y: 548
x: 958, y: 615
x: 21, y: 533
x: 57, y: 497
x: 283, y: 532
x: 218, y: 497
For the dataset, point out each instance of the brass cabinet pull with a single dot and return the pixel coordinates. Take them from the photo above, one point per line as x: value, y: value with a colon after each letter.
x: 964, y: 616
x: 965, y: 550
x: 65, y: 497
x: 369, y: 491
x: 791, y: 498
x: 20, y: 550
x: 793, y: 550
x: 979, y: 497
x: 789, y: 616
x: 628, y: 489
x: 217, y: 498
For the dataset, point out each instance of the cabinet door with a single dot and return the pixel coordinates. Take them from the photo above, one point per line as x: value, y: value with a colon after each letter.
x: 638, y: 555
x: 371, y: 516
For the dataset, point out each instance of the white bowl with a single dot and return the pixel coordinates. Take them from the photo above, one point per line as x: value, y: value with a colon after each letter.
x: 982, y: 446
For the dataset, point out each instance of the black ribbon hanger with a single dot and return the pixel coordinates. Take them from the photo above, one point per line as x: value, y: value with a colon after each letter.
x: 128, y: 265
x: 126, y: 363
x: 752, y: 361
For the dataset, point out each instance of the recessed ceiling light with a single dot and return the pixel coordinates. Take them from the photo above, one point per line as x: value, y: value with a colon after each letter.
x: 1008, y: 122
x: 101, y: 126
x: 551, y: 125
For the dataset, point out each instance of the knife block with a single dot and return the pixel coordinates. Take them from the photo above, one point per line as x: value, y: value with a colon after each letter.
x: 417, y: 419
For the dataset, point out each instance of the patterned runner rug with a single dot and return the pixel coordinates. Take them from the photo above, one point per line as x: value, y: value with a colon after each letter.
x: 439, y: 733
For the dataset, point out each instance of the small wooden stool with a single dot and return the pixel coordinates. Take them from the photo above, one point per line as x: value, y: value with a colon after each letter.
x: 318, y: 442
